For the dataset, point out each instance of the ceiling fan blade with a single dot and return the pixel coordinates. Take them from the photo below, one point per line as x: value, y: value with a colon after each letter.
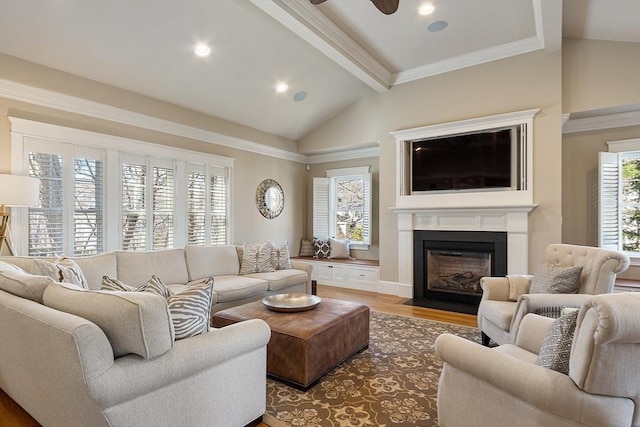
x: 317, y: 1
x: 386, y: 6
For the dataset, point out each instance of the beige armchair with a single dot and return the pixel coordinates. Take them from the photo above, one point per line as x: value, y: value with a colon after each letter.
x: 502, y: 386
x: 506, y: 300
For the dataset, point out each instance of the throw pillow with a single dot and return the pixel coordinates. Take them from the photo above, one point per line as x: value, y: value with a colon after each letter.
x: 556, y: 345
x: 339, y: 248
x: 280, y: 256
x: 553, y: 279
x: 306, y: 248
x: 61, y: 270
x: 142, y: 325
x: 191, y: 309
x: 256, y: 258
x: 321, y: 248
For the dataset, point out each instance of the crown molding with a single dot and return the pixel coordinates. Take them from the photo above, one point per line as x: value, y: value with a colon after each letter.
x: 308, y: 23
x: 337, y: 155
x: 606, y: 121
x: 55, y: 100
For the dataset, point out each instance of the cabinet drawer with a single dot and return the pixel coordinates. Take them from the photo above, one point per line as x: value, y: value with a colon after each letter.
x: 363, y: 274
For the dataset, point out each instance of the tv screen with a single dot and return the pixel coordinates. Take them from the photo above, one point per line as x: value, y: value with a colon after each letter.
x: 462, y: 162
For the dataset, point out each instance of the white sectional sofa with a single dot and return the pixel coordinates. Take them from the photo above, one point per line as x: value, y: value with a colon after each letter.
x: 64, y: 369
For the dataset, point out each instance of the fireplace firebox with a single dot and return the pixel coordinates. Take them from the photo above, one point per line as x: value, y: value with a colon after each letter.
x: 448, y: 266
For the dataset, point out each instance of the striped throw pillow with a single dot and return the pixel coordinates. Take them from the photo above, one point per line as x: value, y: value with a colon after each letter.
x: 256, y: 258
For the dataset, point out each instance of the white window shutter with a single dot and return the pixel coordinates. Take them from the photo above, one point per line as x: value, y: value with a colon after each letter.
x: 366, y: 214
x: 321, y: 207
x: 608, y: 215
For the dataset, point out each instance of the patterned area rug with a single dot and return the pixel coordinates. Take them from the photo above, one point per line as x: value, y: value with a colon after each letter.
x: 392, y: 383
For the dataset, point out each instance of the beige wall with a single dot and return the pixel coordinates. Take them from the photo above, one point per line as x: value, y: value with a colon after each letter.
x: 514, y: 84
x: 249, y: 168
x: 319, y: 170
x: 599, y: 74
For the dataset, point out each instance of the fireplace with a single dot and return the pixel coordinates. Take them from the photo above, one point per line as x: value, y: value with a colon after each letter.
x: 448, y: 266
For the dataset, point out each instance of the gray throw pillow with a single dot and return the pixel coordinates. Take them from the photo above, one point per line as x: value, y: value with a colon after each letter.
x: 321, y: 248
x: 553, y: 279
x: 280, y: 256
x: 256, y: 258
x: 556, y: 345
x: 306, y: 248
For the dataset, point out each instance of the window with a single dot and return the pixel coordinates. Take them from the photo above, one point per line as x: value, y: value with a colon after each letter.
x: 619, y: 201
x: 342, y: 206
x: 101, y: 193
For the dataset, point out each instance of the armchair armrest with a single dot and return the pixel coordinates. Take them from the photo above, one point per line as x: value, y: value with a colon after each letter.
x: 495, y: 288
x: 529, y: 303
x: 549, y: 391
x: 132, y: 376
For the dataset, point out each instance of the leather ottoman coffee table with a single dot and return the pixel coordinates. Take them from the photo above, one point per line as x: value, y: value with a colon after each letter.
x: 306, y: 345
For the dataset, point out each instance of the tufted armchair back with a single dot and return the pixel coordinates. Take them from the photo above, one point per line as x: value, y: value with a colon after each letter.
x: 599, y: 266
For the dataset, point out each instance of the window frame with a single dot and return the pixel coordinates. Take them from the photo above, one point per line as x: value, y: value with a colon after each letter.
x: 24, y: 133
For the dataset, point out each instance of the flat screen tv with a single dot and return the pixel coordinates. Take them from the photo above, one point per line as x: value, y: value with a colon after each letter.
x: 484, y: 160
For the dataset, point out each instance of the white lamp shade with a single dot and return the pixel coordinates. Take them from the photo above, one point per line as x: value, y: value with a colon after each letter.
x: 17, y: 190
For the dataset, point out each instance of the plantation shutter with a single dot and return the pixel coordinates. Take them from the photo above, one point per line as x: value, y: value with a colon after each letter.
x: 321, y: 207
x: 196, y: 208
x: 366, y: 212
x: 608, y: 196
x: 134, y: 206
x: 218, y: 205
x: 163, y: 195
x: 87, y: 206
x: 45, y: 222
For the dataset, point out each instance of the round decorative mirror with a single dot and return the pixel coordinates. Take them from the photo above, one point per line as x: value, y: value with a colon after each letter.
x: 270, y: 198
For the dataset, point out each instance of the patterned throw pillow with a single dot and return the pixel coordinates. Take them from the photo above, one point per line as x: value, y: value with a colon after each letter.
x: 321, y: 248
x: 306, y: 248
x: 339, y: 248
x: 280, y: 256
x: 256, y: 258
x: 556, y: 346
x: 190, y: 309
x: 552, y: 279
x: 61, y: 270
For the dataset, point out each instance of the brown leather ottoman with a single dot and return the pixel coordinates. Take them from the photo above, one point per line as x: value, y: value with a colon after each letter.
x: 306, y: 345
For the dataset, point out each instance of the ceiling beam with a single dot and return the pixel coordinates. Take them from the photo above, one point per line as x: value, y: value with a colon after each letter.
x: 314, y: 27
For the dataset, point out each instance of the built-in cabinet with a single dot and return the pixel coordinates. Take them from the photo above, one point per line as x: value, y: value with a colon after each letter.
x: 356, y: 274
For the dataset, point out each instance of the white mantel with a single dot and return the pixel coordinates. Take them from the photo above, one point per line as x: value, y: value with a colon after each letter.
x: 514, y: 220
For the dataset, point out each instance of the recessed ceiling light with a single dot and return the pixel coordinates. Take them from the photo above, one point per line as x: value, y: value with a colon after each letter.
x: 202, y: 50
x: 300, y: 96
x: 436, y: 26
x: 282, y: 87
x: 426, y: 9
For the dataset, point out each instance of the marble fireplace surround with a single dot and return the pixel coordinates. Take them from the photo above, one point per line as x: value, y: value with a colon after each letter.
x: 514, y: 220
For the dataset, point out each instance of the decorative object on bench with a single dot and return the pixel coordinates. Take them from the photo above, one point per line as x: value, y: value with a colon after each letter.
x: 506, y: 300
x: 291, y: 303
x: 270, y: 198
x: 306, y: 248
x: 503, y: 386
x: 321, y: 248
x: 306, y: 345
x: 339, y: 248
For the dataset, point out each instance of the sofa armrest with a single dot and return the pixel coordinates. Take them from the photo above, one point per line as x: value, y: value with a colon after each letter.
x: 132, y: 376
x: 549, y: 391
x: 304, y: 266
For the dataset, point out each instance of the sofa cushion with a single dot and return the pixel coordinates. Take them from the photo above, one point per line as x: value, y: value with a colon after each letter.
x: 20, y: 283
x: 256, y: 258
x: 134, y: 322
x: 63, y: 269
x: 280, y: 256
x: 233, y: 287
x: 556, y: 345
x: 211, y: 261
x: 135, y: 268
x: 553, y: 279
x: 281, y: 279
x: 95, y: 266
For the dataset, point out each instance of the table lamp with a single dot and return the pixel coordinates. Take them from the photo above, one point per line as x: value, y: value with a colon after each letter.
x: 16, y: 191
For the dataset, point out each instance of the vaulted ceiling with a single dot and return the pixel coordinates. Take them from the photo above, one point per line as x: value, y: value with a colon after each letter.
x: 330, y: 55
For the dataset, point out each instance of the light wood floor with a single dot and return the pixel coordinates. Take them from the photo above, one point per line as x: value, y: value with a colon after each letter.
x: 12, y: 415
